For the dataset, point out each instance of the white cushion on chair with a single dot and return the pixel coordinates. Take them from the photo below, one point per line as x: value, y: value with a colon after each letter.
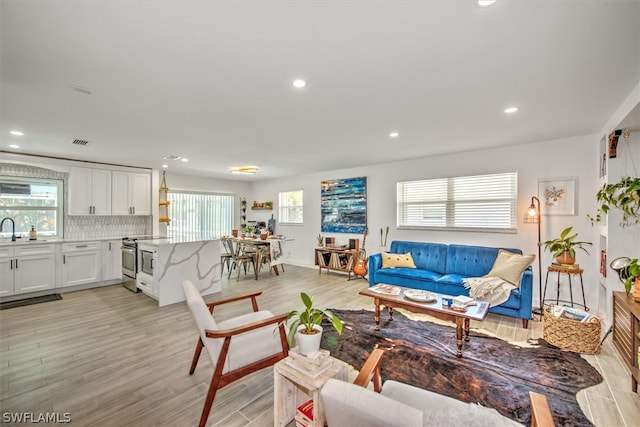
x: 348, y: 405
x: 244, y: 348
x: 251, y: 346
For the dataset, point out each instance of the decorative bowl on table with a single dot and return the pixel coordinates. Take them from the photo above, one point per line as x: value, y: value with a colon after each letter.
x: 420, y: 296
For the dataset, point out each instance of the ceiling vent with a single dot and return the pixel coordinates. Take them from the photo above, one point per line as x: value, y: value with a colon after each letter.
x: 172, y: 157
x: 82, y: 142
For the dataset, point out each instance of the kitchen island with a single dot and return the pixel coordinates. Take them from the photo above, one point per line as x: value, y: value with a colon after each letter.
x: 170, y: 261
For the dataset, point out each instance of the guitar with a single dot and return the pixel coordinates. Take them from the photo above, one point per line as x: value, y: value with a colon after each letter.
x: 360, y: 269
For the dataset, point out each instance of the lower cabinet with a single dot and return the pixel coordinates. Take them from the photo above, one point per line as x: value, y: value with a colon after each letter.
x: 626, y: 333
x: 27, y: 268
x: 80, y: 263
x: 111, y: 260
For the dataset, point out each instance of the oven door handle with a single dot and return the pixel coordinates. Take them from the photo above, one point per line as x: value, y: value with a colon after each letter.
x: 128, y: 250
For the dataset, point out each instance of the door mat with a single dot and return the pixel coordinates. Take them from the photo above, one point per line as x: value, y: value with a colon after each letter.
x: 29, y: 301
x: 491, y: 372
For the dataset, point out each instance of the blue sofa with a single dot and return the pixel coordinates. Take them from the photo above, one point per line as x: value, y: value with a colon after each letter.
x: 441, y: 268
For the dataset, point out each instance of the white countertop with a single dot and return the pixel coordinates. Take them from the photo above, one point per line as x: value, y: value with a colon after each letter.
x: 154, y: 242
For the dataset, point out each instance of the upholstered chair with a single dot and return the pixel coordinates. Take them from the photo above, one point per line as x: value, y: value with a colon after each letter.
x: 237, y: 346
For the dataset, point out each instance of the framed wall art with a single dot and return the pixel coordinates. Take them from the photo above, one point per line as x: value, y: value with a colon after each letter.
x: 343, y: 205
x: 557, y: 196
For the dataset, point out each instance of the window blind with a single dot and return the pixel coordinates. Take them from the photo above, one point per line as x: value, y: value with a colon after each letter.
x: 480, y: 203
x: 200, y: 214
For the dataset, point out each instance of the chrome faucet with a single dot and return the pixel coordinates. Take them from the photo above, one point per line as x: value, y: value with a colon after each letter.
x: 13, y: 227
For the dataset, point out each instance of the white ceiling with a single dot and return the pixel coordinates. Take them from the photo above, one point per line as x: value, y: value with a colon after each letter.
x: 211, y: 80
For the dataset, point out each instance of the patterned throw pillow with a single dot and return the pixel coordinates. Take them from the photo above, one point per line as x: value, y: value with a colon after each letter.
x: 397, y: 260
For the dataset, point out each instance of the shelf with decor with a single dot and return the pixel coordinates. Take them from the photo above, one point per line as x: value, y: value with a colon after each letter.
x: 335, y: 259
x: 253, y: 208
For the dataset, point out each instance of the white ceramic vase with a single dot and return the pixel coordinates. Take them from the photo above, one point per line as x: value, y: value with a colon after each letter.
x: 309, y: 343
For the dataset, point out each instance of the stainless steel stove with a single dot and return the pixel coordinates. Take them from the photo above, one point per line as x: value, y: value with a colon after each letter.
x: 130, y: 260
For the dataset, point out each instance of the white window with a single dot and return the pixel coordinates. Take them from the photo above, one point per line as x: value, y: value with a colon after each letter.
x: 476, y: 203
x: 291, y: 207
x: 199, y: 215
x: 31, y: 202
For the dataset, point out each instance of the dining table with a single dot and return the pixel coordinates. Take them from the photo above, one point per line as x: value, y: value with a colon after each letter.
x: 275, y: 246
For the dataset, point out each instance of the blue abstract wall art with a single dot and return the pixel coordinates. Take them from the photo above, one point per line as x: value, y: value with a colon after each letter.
x: 343, y: 204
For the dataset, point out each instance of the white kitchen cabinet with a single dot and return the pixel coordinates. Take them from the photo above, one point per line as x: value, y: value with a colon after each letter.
x: 80, y: 263
x: 27, y: 268
x: 111, y: 260
x: 89, y: 191
x: 6, y: 271
x: 131, y: 193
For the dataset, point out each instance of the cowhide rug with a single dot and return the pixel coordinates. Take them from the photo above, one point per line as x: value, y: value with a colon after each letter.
x: 491, y: 371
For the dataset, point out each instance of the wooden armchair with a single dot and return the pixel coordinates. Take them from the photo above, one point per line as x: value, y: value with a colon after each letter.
x: 237, y: 346
x: 402, y: 405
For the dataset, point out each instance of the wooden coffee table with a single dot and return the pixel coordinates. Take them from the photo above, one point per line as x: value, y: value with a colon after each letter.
x: 436, y: 309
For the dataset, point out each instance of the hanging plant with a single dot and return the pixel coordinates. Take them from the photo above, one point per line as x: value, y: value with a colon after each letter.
x: 623, y: 195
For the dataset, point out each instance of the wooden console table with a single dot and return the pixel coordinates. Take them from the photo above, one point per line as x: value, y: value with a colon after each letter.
x: 336, y: 259
x: 626, y: 333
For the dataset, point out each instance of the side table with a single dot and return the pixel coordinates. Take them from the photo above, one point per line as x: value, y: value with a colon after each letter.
x: 291, y: 388
x: 569, y: 271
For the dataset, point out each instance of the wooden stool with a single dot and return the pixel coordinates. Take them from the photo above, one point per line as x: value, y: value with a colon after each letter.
x: 568, y: 270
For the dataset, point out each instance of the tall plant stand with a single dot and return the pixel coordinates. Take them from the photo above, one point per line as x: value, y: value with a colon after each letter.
x: 163, y: 214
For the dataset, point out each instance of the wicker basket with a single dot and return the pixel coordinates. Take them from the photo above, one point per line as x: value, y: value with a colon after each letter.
x: 572, y: 335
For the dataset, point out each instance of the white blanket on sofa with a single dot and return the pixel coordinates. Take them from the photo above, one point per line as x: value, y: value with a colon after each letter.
x: 493, y: 290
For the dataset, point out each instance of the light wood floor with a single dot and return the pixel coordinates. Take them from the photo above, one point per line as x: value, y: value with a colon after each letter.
x: 109, y: 357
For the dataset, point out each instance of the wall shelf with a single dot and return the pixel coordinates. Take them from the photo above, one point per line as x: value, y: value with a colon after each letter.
x: 261, y: 209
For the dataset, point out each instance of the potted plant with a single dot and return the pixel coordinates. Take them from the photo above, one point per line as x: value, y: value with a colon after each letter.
x: 623, y: 195
x: 320, y: 240
x: 305, y: 327
x: 632, y: 273
x: 564, y: 247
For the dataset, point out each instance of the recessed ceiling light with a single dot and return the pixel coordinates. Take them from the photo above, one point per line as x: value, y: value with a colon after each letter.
x: 184, y: 159
x: 14, y: 146
x: 485, y: 3
x: 394, y: 134
x: 299, y: 83
x: 16, y: 133
x: 165, y: 166
x: 511, y: 110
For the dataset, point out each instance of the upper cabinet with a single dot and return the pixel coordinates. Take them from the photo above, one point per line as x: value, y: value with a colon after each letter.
x: 89, y: 191
x: 131, y: 193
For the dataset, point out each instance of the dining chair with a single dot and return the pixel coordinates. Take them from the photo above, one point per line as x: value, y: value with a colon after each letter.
x: 240, y: 258
x: 225, y: 256
x: 237, y: 346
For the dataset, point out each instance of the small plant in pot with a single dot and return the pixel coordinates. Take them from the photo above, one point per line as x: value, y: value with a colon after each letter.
x: 564, y: 247
x: 632, y: 276
x: 305, y: 327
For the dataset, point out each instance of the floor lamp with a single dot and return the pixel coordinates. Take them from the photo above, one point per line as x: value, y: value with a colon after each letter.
x: 533, y: 216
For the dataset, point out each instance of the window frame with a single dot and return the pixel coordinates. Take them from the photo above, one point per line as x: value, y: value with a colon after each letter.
x: 282, y: 207
x: 58, y: 209
x: 447, y: 206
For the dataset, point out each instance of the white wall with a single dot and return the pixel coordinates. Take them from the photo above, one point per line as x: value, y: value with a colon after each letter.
x: 570, y: 157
